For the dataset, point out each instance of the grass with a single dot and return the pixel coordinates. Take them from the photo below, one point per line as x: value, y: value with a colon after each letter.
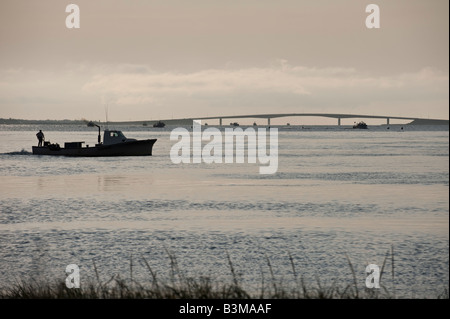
x: 180, y: 286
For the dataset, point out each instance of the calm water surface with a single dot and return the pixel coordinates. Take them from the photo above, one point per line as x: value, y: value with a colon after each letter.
x: 337, y: 193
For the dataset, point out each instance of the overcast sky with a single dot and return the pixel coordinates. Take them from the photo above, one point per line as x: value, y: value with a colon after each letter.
x: 150, y: 59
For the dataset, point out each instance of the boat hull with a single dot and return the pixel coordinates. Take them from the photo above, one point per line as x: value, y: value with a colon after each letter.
x: 131, y: 148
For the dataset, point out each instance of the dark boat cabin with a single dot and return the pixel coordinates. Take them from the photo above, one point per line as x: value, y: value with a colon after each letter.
x: 114, y: 137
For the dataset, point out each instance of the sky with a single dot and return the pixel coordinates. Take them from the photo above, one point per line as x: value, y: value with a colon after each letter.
x: 149, y: 59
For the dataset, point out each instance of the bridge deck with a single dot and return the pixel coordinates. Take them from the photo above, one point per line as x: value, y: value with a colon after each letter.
x: 269, y: 116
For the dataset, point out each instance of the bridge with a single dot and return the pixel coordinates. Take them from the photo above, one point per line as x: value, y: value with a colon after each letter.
x: 270, y: 116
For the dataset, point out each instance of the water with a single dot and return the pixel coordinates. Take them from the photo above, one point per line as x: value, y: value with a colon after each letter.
x: 338, y: 193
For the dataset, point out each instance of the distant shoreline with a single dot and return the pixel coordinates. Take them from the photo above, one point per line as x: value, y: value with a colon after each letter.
x: 21, y: 121
x: 429, y: 122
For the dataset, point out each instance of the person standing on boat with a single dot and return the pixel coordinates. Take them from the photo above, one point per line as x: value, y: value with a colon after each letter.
x: 40, y: 137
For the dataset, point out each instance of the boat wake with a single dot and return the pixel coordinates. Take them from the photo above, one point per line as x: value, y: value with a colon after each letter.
x: 22, y: 152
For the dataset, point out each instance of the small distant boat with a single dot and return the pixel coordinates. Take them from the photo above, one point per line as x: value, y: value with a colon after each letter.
x: 234, y: 124
x: 114, y: 144
x: 159, y: 124
x: 360, y: 125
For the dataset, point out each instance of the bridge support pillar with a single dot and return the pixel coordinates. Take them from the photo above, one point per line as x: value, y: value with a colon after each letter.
x: 387, y: 120
x: 268, y: 121
x: 339, y: 121
x: 220, y: 121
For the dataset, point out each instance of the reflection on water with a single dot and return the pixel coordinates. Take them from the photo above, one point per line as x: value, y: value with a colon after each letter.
x: 122, y: 183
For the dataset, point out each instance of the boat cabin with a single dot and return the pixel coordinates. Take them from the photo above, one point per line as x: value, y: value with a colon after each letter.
x: 114, y: 137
